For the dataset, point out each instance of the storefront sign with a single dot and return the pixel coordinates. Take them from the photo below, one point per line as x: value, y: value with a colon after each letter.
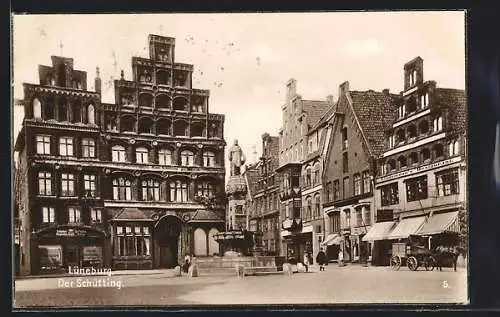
x: 71, y: 233
x: 419, y: 169
x: 92, y: 253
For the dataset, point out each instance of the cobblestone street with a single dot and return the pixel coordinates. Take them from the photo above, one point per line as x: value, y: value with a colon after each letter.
x: 351, y: 284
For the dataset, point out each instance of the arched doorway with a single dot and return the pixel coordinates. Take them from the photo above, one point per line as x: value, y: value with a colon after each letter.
x: 167, y: 238
x: 200, y: 242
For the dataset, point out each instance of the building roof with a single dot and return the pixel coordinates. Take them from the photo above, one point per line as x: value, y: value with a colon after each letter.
x: 455, y: 101
x: 314, y: 110
x: 324, y: 117
x: 206, y: 215
x: 375, y: 112
x: 252, y: 175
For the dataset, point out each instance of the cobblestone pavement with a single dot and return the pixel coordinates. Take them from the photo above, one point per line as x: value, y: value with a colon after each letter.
x: 350, y: 284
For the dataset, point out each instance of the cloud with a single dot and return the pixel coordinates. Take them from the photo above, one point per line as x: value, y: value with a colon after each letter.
x: 362, y: 48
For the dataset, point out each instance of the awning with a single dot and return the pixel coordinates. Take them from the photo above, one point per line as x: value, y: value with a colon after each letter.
x: 332, y: 239
x: 379, y: 231
x: 438, y: 223
x: 406, y: 227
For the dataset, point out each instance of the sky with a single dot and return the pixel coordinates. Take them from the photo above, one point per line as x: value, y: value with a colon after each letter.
x: 246, y: 59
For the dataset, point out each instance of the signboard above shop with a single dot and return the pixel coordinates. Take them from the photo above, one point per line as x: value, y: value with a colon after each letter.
x: 76, y: 232
x: 71, y: 233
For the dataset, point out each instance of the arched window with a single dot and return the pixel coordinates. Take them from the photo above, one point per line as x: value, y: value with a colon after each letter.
x: 453, y: 148
x: 118, y: 153
x: 163, y: 127
x: 402, y: 161
x: 317, y: 206
x: 400, y: 135
x: 180, y: 103
x: 438, y: 151
x: 187, y: 158
x: 62, y: 109
x: 347, y: 213
x: 308, y: 175
x: 178, y: 191
x: 127, y: 124
x: 425, y: 154
x: 423, y: 126
x: 308, y: 208
x: 150, y: 190
x: 37, y: 109
x: 438, y: 124
x: 413, y: 158
x: 145, y: 100
x: 208, y: 159
x: 141, y: 155
x: 146, y: 125
x: 162, y: 102
x: 424, y: 100
x: 180, y: 128
x: 412, y: 131
x: 122, y: 189
x: 391, y: 165
x: 165, y: 157
x: 316, y: 179
x: 205, y: 189
x: 91, y: 114
x: 456, y: 147
x: 197, y: 129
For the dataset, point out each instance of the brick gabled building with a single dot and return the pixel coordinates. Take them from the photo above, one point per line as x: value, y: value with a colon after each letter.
x: 357, y: 139
x: 421, y: 183
x: 129, y: 185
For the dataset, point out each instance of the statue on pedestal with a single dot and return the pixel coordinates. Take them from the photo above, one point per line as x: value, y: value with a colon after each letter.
x: 236, y: 159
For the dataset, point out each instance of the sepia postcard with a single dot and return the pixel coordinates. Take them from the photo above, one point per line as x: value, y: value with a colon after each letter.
x: 246, y: 159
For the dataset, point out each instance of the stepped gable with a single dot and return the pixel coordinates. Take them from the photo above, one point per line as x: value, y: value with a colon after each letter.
x: 375, y: 113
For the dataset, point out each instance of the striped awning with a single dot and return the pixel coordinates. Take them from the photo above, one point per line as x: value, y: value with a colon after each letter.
x: 379, y: 231
x: 439, y: 223
x: 332, y: 239
x: 406, y: 227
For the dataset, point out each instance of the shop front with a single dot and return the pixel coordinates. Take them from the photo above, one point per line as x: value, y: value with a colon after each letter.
x: 59, y: 249
x: 381, y: 246
x: 331, y: 245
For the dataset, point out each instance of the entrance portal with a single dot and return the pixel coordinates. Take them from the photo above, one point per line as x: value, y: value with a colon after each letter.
x: 167, y: 238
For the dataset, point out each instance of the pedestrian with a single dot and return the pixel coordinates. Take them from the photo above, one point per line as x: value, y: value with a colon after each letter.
x: 187, y: 263
x: 321, y: 259
x: 341, y: 258
x: 306, y: 261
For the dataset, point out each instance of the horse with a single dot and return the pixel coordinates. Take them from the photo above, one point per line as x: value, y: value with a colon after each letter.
x: 446, y: 254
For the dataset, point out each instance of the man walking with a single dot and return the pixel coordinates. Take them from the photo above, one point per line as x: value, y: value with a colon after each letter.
x: 321, y: 259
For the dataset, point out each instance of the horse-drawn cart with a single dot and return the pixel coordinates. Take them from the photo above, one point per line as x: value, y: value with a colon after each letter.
x: 412, y: 254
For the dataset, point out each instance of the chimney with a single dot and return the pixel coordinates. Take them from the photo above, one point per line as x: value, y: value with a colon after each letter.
x: 386, y: 91
x: 343, y: 88
x: 97, y: 84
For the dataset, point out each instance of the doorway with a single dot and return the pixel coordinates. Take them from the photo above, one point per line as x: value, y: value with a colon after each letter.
x: 168, y: 252
x: 72, y: 256
x: 167, y: 236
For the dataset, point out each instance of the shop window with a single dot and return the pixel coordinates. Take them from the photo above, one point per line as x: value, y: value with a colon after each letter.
x: 118, y: 153
x: 89, y: 184
x: 447, y: 183
x: 37, y: 109
x: 48, y: 215
x: 74, y: 215
x: 42, y: 144
x: 367, y: 182
x: 67, y: 184
x: 164, y: 157
x: 122, y: 189
x: 88, y: 148
x: 44, y: 183
x: 150, y: 190
x: 209, y: 159
x: 50, y: 256
x: 132, y: 242
x: 389, y: 194
x: 141, y: 155
x: 357, y: 184
x: 178, y: 191
x: 95, y: 215
x: 187, y: 158
x: 416, y: 188
x: 66, y: 146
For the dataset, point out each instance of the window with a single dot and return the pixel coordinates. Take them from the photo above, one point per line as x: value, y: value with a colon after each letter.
x: 367, y: 182
x: 359, y: 217
x: 121, y: 189
x: 317, y: 206
x: 208, y: 159
x: 308, y: 210
x: 345, y: 163
x: 336, y: 189
x: 401, y: 111
x: 91, y: 115
x: 178, y: 191
x: 135, y: 242
x: 308, y: 176
x: 402, y: 162
x: 141, y: 155
x: 316, y: 174
x: 389, y: 194
x: 67, y: 184
x: 447, y: 182
x: 425, y: 155
x: 150, y: 190
x: 335, y: 222
x: 118, y: 153
x: 44, y: 183
x: 357, y: 184
x: 37, y: 108
x: 74, y: 215
x: 347, y: 213
x: 438, y: 151
x: 165, y: 157
x: 89, y: 182
x: 66, y: 146
x: 42, y: 144
x: 48, y: 215
x: 413, y: 158
x: 344, y: 138
x: 367, y: 218
x: 88, y: 148
x: 416, y: 188
x: 424, y: 100
x: 453, y: 148
x: 328, y: 192
x: 187, y: 158
x: 345, y: 188
x: 95, y: 215
x: 438, y: 124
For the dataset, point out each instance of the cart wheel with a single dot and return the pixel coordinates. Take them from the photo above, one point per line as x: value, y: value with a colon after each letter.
x: 395, y: 262
x: 430, y: 263
x: 412, y: 263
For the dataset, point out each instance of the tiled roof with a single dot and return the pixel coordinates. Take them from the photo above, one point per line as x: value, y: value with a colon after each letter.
x: 375, y: 112
x: 314, y: 110
x: 456, y: 101
x: 206, y: 215
x: 252, y: 175
x: 329, y: 111
x: 134, y: 214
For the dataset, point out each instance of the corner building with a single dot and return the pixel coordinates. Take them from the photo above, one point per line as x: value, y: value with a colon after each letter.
x: 137, y: 180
